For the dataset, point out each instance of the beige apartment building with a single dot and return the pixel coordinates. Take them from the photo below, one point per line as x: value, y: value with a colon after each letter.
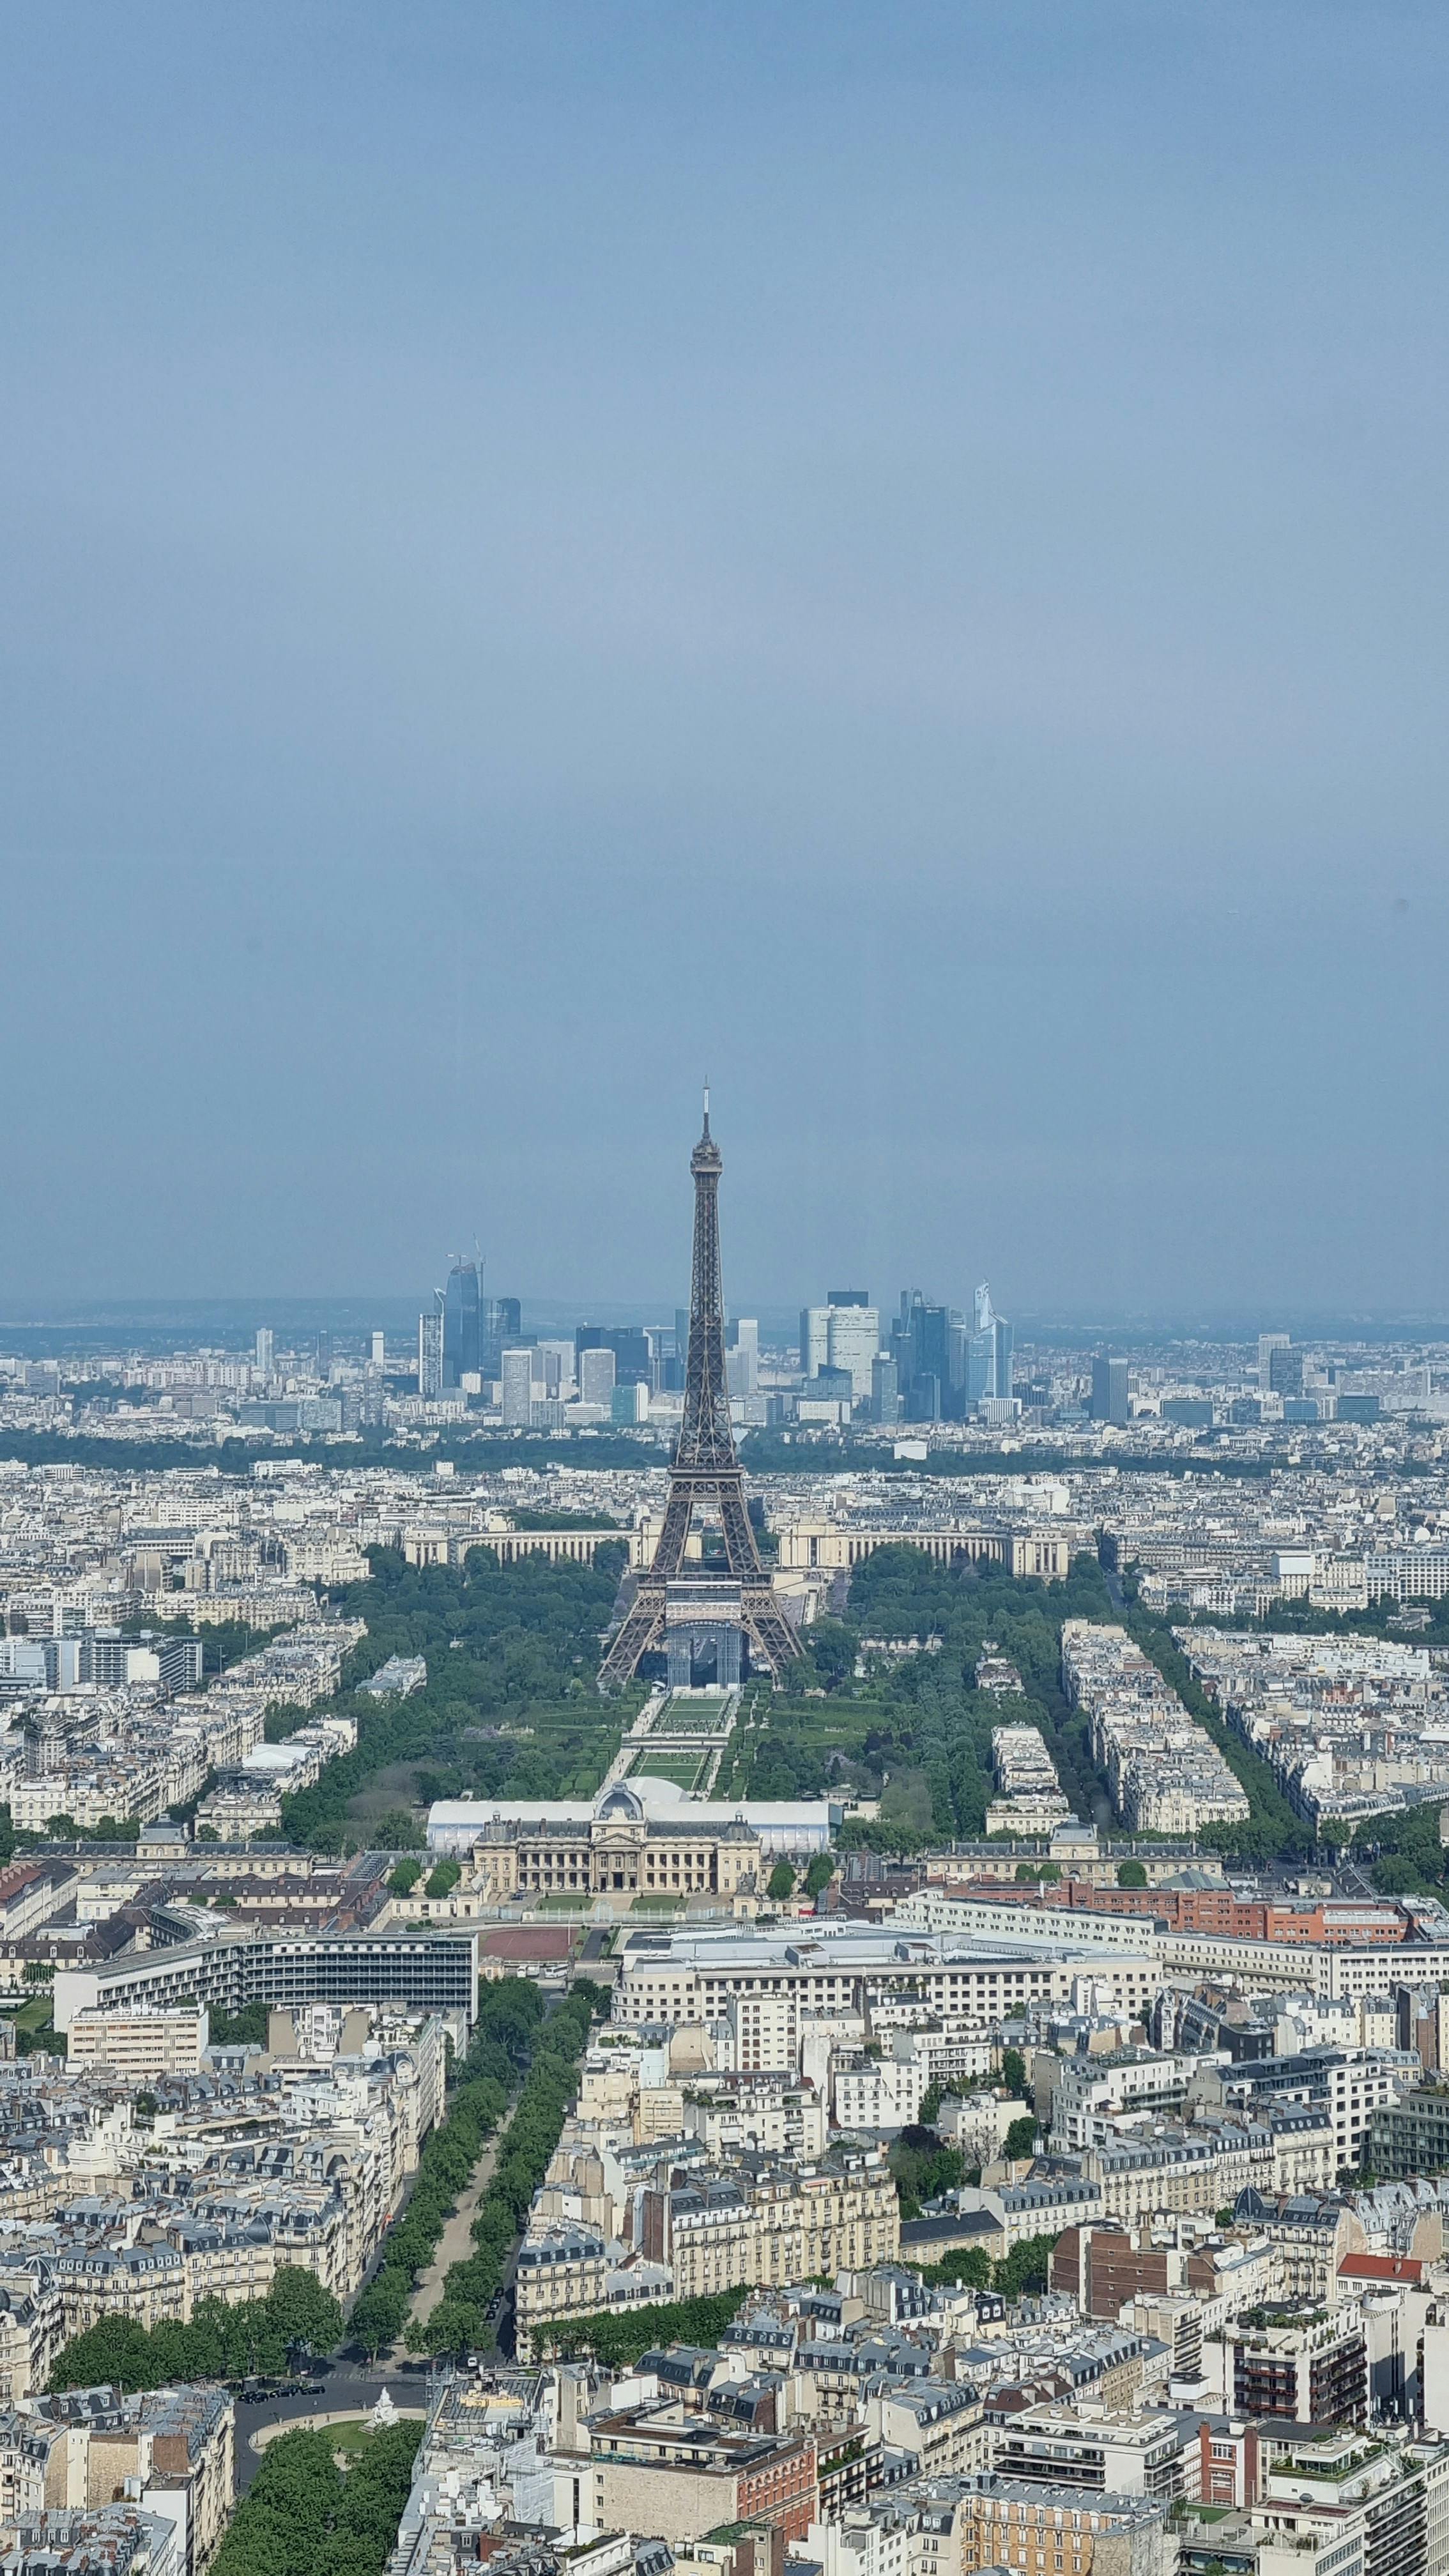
x: 1062, y: 2531
x: 792, y: 2227
x: 139, y: 2045
x: 569, y: 2272
x: 32, y: 2330
x: 775, y: 2227
x: 145, y: 2284
x: 79, y: 2451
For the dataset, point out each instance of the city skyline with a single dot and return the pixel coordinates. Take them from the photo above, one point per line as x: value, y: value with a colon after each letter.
x: 752, y: 1879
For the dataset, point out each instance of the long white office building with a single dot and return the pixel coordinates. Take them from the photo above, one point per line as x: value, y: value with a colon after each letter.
x: 967, y: 1982
x: 1331, y: 1970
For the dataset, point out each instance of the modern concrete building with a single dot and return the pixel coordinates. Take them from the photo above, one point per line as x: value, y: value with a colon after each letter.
x: 434, y: 1971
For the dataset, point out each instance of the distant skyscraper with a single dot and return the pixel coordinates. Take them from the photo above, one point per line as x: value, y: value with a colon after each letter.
x: 852, y: 1342
x: 633, y: 1351
x: 981, y: 1358
x: 885, y: 1399
x: 461, y: 1323
x: 842, y: 1334
x: 1268, y: 1343
x: 926, y: 1344
x: 517, y: 1375
x: 500, y: 1321
x: 901, y: 1344
x: 1285, y: 1369
x: 1110, y: 1399
x: 928, y: 1352
x: 264, y: 1349
x: 324, y: 1355
x: 1005, y: 1359
x: 742, y: 1358
x: 990, y: 1361
x: 814, y: 1339
x: 556, y: 1366
x: 430, y: 1348
x: 379, y: 1350
x: 596, y: 1376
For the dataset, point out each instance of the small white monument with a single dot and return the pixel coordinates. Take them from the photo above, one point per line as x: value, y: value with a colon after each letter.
x: 383, y: 2414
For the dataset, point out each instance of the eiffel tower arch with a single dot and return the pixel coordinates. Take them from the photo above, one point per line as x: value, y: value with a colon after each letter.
x: 705, y: 1469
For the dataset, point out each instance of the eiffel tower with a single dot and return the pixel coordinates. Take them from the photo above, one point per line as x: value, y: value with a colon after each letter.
x: 705, y: 1467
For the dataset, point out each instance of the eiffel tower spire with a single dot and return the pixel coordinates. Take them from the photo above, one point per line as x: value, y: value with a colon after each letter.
x: 705, y: 1467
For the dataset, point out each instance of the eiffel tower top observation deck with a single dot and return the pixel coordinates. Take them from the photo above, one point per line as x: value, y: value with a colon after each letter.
x: 705, y: 1468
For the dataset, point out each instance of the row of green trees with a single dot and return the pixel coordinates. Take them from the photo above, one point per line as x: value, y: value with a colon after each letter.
x: 1409, y: 1858
x: 303, y: 2516
x: 818, y: 1874
x: 503, y: 2042
x: 244, y: 2029
x: 919, y: 1731
x: 481, y: 1453
x: 461, y: 2320
x: 923, y: 2167
x: 509, y: 1704
x: 297, y: 2317
x: 1015, y: 2275
x: 618, y: 2341
x: 1272, y: 1831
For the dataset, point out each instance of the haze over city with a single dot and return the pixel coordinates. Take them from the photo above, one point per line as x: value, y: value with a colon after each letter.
x: 895, y: 554
x: 724, y: 1326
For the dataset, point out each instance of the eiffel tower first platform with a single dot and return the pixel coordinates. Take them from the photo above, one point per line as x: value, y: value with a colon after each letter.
x: 705, y: 1468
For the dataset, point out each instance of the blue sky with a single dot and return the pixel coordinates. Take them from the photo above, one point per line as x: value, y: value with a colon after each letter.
x: 895, y: 553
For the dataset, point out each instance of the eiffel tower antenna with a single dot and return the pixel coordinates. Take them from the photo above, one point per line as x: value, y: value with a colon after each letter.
x: 705, y: 1466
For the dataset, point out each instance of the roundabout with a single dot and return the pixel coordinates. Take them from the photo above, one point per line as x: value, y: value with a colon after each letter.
x: 356, y: 2412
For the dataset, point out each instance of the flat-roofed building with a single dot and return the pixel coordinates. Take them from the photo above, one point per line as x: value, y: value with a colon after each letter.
x: 1013, y: 2523
x: 964, y: 1982
x: 140, y: 2044
x: 667, y: 2470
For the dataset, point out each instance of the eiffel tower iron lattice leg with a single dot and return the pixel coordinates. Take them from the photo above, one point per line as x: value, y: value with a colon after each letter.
x: 705, y: 1467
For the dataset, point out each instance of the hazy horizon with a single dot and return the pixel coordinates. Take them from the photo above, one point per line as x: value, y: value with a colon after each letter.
x: 234, y: 1320
x: 891, y: 554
